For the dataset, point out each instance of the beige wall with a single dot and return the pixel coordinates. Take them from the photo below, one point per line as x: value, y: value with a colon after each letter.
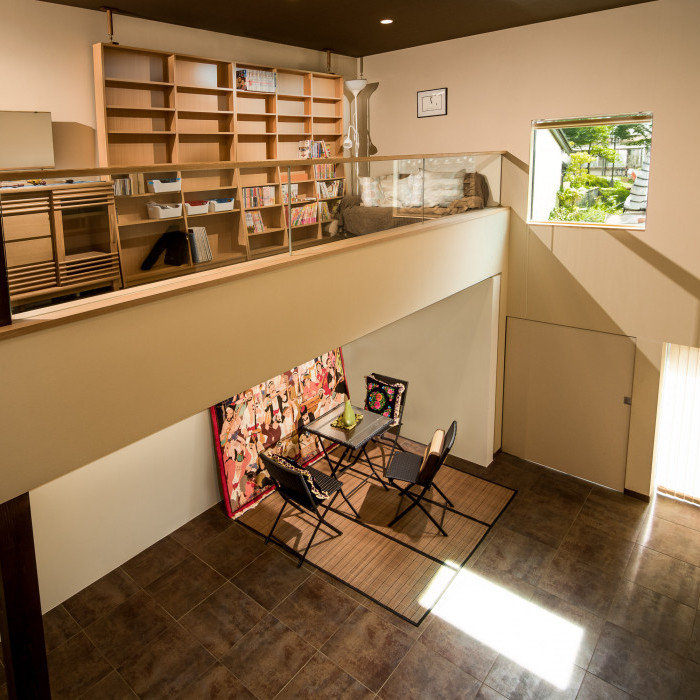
x: 46, y: 54
x: 643, y: 284
x: 447, y: 350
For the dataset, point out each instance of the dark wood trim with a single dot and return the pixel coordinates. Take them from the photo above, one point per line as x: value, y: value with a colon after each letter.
x: 21, y: 625
x: 635, y: 494
x: 5, y: 309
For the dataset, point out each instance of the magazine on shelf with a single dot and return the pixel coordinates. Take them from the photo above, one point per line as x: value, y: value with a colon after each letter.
x: 256, y: 80
x: 199, y: 244
x: 254, y: 222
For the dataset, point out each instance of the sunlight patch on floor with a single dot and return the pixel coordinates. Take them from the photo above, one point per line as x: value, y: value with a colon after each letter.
x: 540, y: 641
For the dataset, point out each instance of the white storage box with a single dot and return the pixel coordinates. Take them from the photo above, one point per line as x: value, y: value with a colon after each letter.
x: 164, y: 211
x: 221, y: 204
x: 173, y: 184
x: 199, y: 207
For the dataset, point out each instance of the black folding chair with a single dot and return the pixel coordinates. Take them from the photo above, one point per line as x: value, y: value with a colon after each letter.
x: 417, y: 470
x: 305, y: 489
x: 390, y: 437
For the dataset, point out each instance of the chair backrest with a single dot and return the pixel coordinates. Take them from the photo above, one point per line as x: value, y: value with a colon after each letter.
x: 392, y: 380
x: 291, y: 483
x: 432, y: 460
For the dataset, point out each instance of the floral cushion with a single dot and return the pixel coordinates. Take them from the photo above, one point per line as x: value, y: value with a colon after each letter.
x: 384, y: 398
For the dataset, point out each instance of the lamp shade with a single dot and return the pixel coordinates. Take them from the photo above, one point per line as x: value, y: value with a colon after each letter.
x: 355, y: 86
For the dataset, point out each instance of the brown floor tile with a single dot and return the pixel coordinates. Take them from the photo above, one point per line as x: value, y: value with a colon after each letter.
x: 516, y: 555
x: 202, y: 528
x: 591, y: 625
x: 669, y: 538
x: 128, y: 627
x: 350, y: 592
x: 153, y: 562
x: 505, y: 579
x: 321, y: 678
x: 653, y: 616
x: 271, y: 577
x: 111, y: 687
x: 561, y: 490
x: 405, y: 626
x: 231, y: 551
x: 635, y: 665
x: 694, y: 644
x: 166, y: 664
x: 511, y: 475
x: 59, y: 627
x: 614, y: 512
x: 367, y: 647
x: 486, y: 693
x: 596, y: 547
x: 513, y: 681
x: 580, y: 584
x: 457, y: 646
x: 220, y: 620
x: 75, y: 666
x: 690, y: 681
x: 593, y: 688
x: 216, y: 684
x: 677, y: 512
x: 184, y: 586
x: 268, y: 657
x: 315, y: 610
x: 100, y: 597
x: 424, y: 673
x: 672, y: 577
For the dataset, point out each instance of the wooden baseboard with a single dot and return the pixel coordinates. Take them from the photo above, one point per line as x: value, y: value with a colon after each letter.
x: 639, y: 496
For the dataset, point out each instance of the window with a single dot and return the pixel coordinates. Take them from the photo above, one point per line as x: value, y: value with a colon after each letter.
x: 591, y: 171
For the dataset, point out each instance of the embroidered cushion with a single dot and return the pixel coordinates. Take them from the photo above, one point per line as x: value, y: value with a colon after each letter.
x: 384, y: 398
x: 294, y: 466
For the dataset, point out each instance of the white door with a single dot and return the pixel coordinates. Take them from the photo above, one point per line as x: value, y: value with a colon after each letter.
x: 565, y: 399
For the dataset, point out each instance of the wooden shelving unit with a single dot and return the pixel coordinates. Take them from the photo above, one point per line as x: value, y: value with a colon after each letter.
x: 158, y: 108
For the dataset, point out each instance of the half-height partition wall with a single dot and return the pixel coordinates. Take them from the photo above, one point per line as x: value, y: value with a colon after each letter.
x: 73, y: 233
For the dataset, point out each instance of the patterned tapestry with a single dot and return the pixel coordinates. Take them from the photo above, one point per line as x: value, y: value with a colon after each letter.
x: 271, y: 416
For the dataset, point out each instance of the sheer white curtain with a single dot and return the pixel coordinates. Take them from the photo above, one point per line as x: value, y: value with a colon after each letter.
x: 677, y: 447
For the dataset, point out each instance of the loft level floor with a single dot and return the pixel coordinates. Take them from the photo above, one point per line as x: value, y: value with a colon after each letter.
x: 210, y: 611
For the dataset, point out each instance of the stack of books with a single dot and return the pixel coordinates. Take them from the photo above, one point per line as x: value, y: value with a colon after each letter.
x: 129, y: 184
x: 304, y: 215
x: 258, y: 196
x: 329, y: 190
x: 199, y: 244
x: 326, y: 213
x: 254, y: 222
x: 326, y: 171
x: 256, y: 80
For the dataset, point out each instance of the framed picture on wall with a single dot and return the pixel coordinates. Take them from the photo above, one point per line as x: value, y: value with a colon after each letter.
x: 432, y: 103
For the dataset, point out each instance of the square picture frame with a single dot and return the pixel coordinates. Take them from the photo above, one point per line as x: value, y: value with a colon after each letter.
x: 432, y: 103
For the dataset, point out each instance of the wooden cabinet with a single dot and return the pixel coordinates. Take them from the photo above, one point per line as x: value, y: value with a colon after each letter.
x: 59, y: 239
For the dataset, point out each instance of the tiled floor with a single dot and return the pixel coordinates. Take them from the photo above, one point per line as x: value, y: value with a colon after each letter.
x: 211, y: 612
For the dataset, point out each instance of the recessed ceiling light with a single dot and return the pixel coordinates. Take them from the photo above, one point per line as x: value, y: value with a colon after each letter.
x: 386, y: 21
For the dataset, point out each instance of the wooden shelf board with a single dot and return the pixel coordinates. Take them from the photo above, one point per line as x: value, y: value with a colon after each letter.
x: 203, y: 89
x: 209, y: 189
x: 319, y: 98
x: 311, y: 223
x: 127, y: 82
x: 87, y: 255
x: 267, y: 250
x: 295, y: 182
x: 203, y: 111
x: 141, y: 195
x: 267, y: 230
x: 121, y: 108
x: 142, y: 133
x: 328, y: 199
x: 256, y: 93
x: 219, y: 259
x: 256, y: 114
x: 296, y: 136
x: 258, y: 133
x: 146, y: 222
x: 155, y: 274
x: 328, y: 179
x: 213, y: 213
x: 205, y: 134
x: 265, y: 206
x: 294, y: 97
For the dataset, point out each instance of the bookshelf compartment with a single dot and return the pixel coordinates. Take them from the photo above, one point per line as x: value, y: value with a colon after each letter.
x: 223, y: 233
x: 256, y: 147
x: 293, y: 82
x: 202, y: 123
x: 191, y: 100
x: 194, y: 148
x: 136, y: 244
x: 139, y: 120
x: 134, y: 64
x: 247, y: 124
x: 293, y: 106
x: 297, y: 173
x: 146, y: 96
x: 326, y: 127
x: 145, y: 149
x: 327, y: 110
x: 300, y: 126
x: 254, y: 103
x: 202, y: 181
x: 324, y: 85
x: 202, y: 73
x: 257, y: 177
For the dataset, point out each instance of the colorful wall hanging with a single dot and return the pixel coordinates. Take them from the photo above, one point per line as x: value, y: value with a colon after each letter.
x: 271, y: 416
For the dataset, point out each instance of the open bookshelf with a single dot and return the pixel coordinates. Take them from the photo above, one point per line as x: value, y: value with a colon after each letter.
x: 159, y: 108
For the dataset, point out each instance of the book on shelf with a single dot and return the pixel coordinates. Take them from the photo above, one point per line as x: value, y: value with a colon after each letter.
x: 327, y: 211
x: 129, y: 184
x: 258, y: 196
x: 314, y: 149
x: 306, y: 214
x: 290, y: 191
x: 324, y: 171
x: 256, y: 80
x: 254, y: 222
x: 199, y: 244
x: 330, y: 189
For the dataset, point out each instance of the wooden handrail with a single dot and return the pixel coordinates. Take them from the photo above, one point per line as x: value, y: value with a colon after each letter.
x: 9, y: 175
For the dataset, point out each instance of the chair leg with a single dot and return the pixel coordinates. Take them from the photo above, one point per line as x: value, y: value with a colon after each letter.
x: 321, y: 521
x: 411, y: 497
x: 416, y: 501
x: 352, y: 508
x: 279, y: 515
x: 447, y: 500
x: 435, y: 522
